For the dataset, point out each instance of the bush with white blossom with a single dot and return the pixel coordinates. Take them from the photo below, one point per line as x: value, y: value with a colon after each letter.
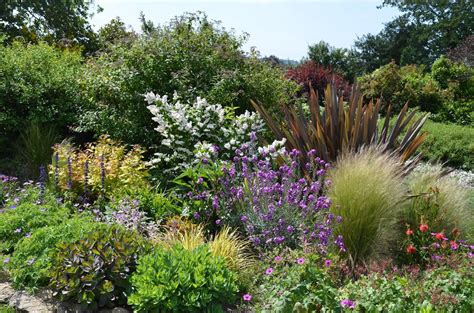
x: 191, y: 132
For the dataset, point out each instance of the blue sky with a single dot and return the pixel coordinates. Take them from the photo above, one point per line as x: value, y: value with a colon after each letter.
x: 278, y: 27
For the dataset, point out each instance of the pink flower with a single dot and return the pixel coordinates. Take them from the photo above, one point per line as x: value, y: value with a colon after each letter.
x: 423, y: 228
x: 300, y: 261
x: 327, y: 263
x: 278, y: 258
x: 247, y: 297
x: 269, y: 271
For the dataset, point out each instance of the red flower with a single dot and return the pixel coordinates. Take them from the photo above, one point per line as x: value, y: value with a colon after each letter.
x: 423, y: 228
x: 439, y: 236
x: 411, y: 249
x: 409, y: 232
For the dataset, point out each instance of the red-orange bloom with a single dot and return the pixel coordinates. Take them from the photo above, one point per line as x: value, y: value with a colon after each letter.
x: 439, y: 236
x: 423, y: 228
x: 411, y: 249
x: 409, y: 232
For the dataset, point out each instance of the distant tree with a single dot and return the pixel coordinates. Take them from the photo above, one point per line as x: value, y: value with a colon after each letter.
x: 340, y: 60
x: 318, y: 77
x: 48, y: 20
x: 464, y: 52
x: 114, y: 31
x: 424, y: 31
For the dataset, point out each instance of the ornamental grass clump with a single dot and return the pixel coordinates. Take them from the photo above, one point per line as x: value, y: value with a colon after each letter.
x: 367, y: 191
x: 440, y: 201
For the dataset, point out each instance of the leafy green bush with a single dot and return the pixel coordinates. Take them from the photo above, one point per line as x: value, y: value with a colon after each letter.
x: 397, y: 85
x: 38, y: 83
x: 30, y: 263
x: 95, y: 270
x: 366, y: 191
x: 181, y: 280
x: 191, y: 55
x: 452, y: 144
x: 442, y: 289
x: 24, y: 219
x: 293, y: 283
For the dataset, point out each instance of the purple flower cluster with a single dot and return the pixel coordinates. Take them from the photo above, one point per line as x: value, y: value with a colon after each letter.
x: 129, y: 215
x: 275, y: 203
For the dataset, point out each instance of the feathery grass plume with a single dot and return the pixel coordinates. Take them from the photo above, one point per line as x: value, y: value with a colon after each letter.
x: 367, y: 191
x: 440, y: 201
x: 235, y: 250
x: 181, y: 232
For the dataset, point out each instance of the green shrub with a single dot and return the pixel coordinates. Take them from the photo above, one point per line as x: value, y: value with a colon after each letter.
x: 31, y: 261
x: 191, y: 55
x: 397, y: 85
x: 95, y: 270
x: 366, y: 191
x: 38, y: 83
x: 181, y: 280
x: 452, y: 144
x: 16, y: 223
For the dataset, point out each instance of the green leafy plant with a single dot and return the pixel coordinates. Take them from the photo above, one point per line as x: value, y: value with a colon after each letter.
x: 450, y: 144
x: 24, y: 219
x: 342, y: 127
x: 367, y: 191
x: 296, y: 282
x: 95, y: 270
x: 30, y: 263
x: 182, y: 280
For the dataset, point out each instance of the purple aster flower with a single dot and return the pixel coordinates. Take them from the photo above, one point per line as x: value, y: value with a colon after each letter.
x: 278, y: 258
x: 247, y: 297
x: 269, y: 271
x: 18, y: 230
x: 244, y: 218
x: 6, y: 260
x: 346, y: 303
x: 28, y: 235
x: 327, y: 263
x: 300, y: 261
x: 196, y: 215
x: 218, y: 222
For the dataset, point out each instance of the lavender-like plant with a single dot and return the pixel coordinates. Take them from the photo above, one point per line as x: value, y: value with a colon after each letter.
x: 275, y: 205
x: 56, y: 170
x: 42, y: 183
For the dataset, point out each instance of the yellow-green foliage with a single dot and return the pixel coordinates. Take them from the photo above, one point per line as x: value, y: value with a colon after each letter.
x: 440, y: 201
x: 226, y: 243
x: 367, y: 191
x: 124, y: 168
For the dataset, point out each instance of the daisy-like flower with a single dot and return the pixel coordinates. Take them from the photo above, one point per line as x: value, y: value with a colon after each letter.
x: 247, y: 297
x: 278, y: 258
x: 327, y: 263
x: 269, y: 271
x: 300, y: 261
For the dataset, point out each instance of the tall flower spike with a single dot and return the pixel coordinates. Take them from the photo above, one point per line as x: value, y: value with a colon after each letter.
x: 42, y: 181
x: 69, y: 173
x: 56, y: 170
x: 86, y: 178
x: 102, y: 174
